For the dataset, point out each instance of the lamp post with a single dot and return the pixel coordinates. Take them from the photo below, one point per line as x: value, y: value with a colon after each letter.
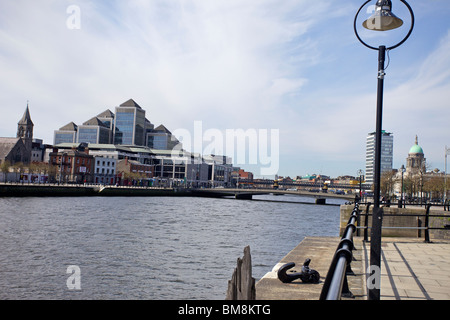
x: 401, y: 197
x: 447, y: 151
x: 360, y: 173
x: 382, y: 20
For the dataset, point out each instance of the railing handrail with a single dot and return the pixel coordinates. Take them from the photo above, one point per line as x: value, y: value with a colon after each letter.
x: 426, y: 227
x: 336, y: 281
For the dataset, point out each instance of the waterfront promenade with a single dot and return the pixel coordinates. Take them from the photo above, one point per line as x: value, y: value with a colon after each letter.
x: 411, y: 270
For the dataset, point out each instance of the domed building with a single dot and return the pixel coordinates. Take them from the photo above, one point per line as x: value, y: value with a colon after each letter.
x: 415, y: 163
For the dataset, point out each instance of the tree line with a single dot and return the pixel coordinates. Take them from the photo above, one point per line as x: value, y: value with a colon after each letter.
x: 417, y: 187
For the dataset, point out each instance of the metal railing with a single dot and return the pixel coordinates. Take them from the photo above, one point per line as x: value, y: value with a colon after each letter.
x: 336, y: 284
x: 425, y: 227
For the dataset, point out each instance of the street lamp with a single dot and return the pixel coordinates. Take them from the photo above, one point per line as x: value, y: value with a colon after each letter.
x: 360, y: 174
x: 402, y: 169
x: 447, y: 151
x: 382, y: 20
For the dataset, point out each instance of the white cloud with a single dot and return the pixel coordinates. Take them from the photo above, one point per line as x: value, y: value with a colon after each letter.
x: 182, y: 61
x: 334, y: 127
x: 232, y: 64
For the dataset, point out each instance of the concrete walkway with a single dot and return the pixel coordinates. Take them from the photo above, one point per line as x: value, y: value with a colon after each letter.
x: 320, y: 250
x: 411, y: 270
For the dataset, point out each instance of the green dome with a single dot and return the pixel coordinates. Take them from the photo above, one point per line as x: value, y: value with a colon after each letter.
x: 416, y: 149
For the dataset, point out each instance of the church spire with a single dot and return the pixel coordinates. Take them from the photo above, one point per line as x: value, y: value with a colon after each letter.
x: 26, y: 119
x: 25, y: 127
x: 25, y: 132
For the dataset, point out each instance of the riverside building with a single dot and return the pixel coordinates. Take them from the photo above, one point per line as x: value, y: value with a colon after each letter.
x: 19, y: 149
x: 153, y: 155
x: 127, y: 126
x: 387, y: 148
x: 130, y: 124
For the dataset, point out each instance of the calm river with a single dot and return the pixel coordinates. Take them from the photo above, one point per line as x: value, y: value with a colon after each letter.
x: 146, y: 248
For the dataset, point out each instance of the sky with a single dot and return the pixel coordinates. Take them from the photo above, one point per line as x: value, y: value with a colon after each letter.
x: 293, y: 69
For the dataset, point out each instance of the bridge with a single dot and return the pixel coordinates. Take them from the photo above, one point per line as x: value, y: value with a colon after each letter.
x: 267, y: 184
x: 248, y: 194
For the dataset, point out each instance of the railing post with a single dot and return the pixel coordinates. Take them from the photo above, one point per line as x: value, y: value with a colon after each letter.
x: 358, y: 221
x: 419, y: 230
x: 427, y: 222
x: 366, y: 223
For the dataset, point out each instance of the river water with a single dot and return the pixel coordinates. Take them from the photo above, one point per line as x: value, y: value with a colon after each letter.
x: 146, y: 248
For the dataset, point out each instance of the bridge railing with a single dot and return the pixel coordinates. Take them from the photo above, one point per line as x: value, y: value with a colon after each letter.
x: 336, y: 284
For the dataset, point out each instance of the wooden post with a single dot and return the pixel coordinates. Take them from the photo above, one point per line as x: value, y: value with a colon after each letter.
x: 242, y: 284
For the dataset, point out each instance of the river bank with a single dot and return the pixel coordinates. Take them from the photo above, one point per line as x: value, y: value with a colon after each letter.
x: 55, y: 190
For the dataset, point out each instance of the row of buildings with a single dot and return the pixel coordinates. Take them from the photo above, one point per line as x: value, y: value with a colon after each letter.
x: 121, y: 147
x: 128, y: 125
x: 415, y: 161
x: 415, y: 179
x: 124, y: 147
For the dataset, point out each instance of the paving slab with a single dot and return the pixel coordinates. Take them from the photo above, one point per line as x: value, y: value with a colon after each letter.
x: 320, y: 250
x: 411, y: 270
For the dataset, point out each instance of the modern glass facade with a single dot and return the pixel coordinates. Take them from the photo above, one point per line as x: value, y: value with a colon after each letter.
x: 129, y: 126
x: 387, y: 151
x: 87, y: 135
x: 93, y: 134
x: 161, y: 140
x: 124, y: 126
x: 139, y: 133
x: 64, y: 137
x: 157, y: 140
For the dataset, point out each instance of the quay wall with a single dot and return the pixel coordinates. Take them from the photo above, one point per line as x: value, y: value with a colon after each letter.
x: 44, y: 190
x: 406, y: 224
x: 25, y: 190
x: 139, y: 192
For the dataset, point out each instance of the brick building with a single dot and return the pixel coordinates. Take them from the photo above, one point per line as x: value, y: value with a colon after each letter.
x: 73, y: 166
x: 131, y: 172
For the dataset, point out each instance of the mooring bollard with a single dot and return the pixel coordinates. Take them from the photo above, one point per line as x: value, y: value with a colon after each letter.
x: 307, y: 275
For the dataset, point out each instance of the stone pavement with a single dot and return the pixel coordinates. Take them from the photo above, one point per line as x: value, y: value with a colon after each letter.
x: 320, y: 250
x: 412, y: 269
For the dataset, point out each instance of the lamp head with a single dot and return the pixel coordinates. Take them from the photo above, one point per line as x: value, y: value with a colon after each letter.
x: 383, y: 19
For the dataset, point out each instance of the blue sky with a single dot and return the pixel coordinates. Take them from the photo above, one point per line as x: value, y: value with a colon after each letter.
x: 291, y: 65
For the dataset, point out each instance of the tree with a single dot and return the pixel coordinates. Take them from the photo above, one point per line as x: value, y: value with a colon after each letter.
x: 18, y: 167
x: 5, y: 168
x: 434, y: 185
x: 387, y: 183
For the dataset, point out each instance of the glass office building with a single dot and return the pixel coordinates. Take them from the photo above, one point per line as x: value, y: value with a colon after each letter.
x: 66, y: 134
x: 129, y: 128
x: 161, y: 139
x: 387, y: 151
x: 97, y: 134
x: 94, y: 131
